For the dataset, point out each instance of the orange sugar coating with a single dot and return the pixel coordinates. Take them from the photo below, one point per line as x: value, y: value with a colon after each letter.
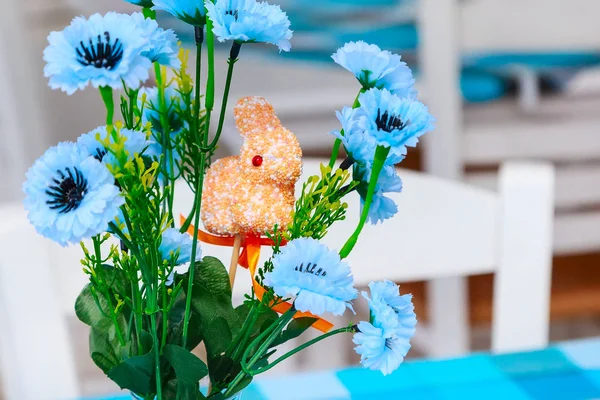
x: 241, y: 197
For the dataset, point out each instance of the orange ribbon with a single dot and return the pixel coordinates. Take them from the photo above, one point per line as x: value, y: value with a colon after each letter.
x: 249, y: 259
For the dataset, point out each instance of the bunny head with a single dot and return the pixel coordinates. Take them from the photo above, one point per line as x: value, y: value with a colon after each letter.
x: 271, y: 153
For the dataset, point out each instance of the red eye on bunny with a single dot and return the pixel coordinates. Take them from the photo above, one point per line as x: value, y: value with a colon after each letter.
x: 257, y: 160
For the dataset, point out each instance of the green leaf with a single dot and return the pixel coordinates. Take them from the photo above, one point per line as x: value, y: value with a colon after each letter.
x: 223, y: 370
x: 211, y: 302
x: 241, y: 386
x: 294, y: 329
x: 189, y: 369
x: 175, y: 325
x: 211, y: 296
x: 217, y: 337
x: 135, y: 374
x: 105, y: 349
x: 87, y: 310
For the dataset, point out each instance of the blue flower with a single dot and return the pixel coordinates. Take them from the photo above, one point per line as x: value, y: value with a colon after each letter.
x: 248, y: 21
x: 70, y: 196
x: 382, y: 119
x: 141, y: 3
x: 393, y: 121
x: 162, y: 43
x: 316, y: 275
x: 375, y: 68
x: 177, y: 247
x: 384, y: 342
x: 135, y: 143
x: 358, y: 144
x: 102, y: 50
x: 382, y: 207
x: 189, y: 11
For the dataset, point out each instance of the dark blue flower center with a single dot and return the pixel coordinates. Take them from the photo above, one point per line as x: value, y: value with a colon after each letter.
x: 387, y: 122
x: 99, y: 153
x: 310, y: 269
x: 68, y: 190
x: 235, y: 13
x: 101, y: 53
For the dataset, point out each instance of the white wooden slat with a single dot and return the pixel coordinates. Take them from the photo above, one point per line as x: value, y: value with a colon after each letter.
x: 525, y: 258
x: 577, y: 233
x: 576, y: 185
x: 529, y: 25
x: 439, y: 29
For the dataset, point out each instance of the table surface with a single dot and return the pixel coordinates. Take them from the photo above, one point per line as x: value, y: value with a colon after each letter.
x: 565, y: 371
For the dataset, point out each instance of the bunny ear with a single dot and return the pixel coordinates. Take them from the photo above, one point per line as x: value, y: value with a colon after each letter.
x: 255, y: 115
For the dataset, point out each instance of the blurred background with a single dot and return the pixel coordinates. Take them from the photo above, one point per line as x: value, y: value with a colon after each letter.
x: 506, y: 79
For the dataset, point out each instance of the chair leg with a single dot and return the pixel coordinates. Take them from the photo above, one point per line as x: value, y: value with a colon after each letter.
x: 448, y: 316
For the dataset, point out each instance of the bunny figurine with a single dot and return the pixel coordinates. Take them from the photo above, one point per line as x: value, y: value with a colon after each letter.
x: 249, y: 194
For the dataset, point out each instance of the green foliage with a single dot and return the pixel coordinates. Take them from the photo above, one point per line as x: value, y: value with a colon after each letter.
x: 295, y: 328
x: 188, y: 368
x: 320, y: 205
x: 135, y: 374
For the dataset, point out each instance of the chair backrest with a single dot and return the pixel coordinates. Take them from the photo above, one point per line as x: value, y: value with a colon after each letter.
x: 447, y: 228
x: 490, y: 134
x: 35, y: 350
x: 443, y: 228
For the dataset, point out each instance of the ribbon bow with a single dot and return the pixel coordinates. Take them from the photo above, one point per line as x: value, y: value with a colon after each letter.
x: 249, y: 259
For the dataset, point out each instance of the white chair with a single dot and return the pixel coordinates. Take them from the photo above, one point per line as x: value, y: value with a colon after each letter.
x: 35, y: 349
x: 529, y: 128
x: 444, y: 228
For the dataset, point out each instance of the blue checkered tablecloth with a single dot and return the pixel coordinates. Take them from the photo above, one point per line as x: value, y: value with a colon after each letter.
x: 566, y: 371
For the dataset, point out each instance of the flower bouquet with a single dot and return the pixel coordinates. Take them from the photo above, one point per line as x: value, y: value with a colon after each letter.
x: 153, y: 295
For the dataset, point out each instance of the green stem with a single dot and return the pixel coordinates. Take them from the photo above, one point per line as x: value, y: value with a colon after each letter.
x: 197, y: 206
x: 233, y: 58
x: 380, y: 156
x: 165, y: 315
x: 107, y: 96
x: 149, y: 13
x: 199, y: 172
x: 199, y: 33
x: 156, y: 355
x: 270, y: 334
x: 334, y: 152
x: 299, y: 349
x: 240, y: 341
x: 210, y: 84
x: 105, y: 292
x: 137, y: 313
x: 167, y: 151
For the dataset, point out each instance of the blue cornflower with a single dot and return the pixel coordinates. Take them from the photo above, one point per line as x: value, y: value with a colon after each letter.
x: 375, y: 68
x: 358, y: 143
x: 177, y: 247
x: 382, y: 207
x: 384, y: 342
x: 248, y: 21
x: 393, y: 121
x: 141, y: 3
x: 70, y: 196
x: 383, y: 119
x: 189, y: 11
x: 316, y: 275
x: 102, y: 50
x: 162, y: 43
x: 135, y: 143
